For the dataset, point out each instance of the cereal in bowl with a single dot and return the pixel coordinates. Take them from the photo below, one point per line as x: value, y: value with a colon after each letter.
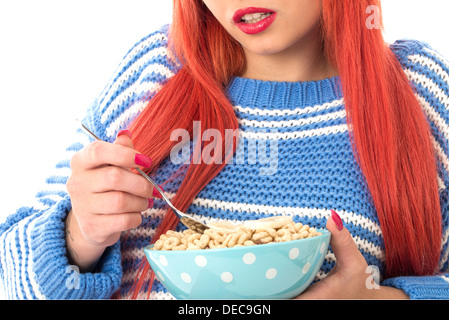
x: 229, y: 235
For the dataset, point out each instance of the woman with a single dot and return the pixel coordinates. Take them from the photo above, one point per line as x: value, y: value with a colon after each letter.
x: 350, y: 124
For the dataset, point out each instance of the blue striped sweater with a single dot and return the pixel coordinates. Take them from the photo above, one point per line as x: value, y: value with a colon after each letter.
x: 308, y: 169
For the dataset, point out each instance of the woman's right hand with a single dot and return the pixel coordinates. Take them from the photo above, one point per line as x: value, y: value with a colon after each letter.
x: 107, y: 197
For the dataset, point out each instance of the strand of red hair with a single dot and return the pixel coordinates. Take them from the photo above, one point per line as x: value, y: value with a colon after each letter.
x: 390, y: 134
x: 210, y: 57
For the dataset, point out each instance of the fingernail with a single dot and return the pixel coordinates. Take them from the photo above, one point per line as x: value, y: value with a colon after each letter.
x: 337, y: 220
x: 143, y: 161
x: 126, y: 133
x: 156, y: 193
x: 150, y: 203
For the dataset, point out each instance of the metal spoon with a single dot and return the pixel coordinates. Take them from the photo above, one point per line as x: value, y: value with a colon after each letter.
x: 188, y: 221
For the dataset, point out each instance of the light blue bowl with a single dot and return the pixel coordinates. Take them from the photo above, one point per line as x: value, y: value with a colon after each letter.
x: 270, y: 271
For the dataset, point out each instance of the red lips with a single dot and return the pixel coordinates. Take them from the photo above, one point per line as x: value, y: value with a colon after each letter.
x: 240, y: 13
x: 253, y: 28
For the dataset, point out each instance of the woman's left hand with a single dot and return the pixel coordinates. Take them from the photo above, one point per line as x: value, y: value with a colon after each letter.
x: 350, y: 278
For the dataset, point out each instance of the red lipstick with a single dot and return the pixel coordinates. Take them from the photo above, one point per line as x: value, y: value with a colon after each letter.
x: 267, y: 17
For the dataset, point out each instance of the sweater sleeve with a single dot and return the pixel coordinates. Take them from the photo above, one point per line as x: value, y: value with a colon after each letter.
x: 33, y: 260
x: 428, y: 71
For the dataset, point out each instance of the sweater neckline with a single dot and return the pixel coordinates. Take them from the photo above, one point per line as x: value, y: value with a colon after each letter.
x: 262, y: 94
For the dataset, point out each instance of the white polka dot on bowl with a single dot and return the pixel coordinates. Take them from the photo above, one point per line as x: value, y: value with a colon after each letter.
x: 306, y: 268
x: 200, y: 261
x: 163, y: 260
x: 293, y: 254
x: 227, y: 277
x: 271, y: 273
x: 186, y: 277
x: 323, y: 247
x: 249, y: 258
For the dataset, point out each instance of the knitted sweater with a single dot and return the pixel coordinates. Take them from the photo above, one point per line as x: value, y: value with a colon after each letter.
x: 308, y: 169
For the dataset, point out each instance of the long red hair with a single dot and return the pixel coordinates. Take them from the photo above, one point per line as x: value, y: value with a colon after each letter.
x: 390, y: 134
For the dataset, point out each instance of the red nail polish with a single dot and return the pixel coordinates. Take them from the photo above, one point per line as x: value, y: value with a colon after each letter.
x: 337, y: 220
x: 156, y: 193
x: 150, y: 203
x: 126, y: 133
x: 143, y: 161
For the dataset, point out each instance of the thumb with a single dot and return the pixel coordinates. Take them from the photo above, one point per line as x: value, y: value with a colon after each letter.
x: 346, y: 252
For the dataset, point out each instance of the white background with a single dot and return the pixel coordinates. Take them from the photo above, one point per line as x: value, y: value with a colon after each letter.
x: 57, y: 55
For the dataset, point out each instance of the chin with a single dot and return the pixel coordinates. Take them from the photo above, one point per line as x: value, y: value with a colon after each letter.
x: 259, y: 48
x: 270, y: 45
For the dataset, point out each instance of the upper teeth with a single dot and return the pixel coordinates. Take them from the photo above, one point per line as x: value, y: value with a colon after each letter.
x: 255, y: 17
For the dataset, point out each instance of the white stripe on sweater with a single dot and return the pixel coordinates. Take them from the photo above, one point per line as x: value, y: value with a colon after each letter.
x: 273, y: 135
x: 428, y: 84
x: 438, y: 56
x: 434, y: 116
x: 24, y: 248
x: 431, y: 64
x: 293, y: 123
x: 15, y: 258
x: 30, y: 268
x: 289, y: 112
x: 133, y: 110
x: 7, y: 262
x: 136, y: 108
x: 161, y: 51
x: 144, y: 45
x: 159, y: 295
